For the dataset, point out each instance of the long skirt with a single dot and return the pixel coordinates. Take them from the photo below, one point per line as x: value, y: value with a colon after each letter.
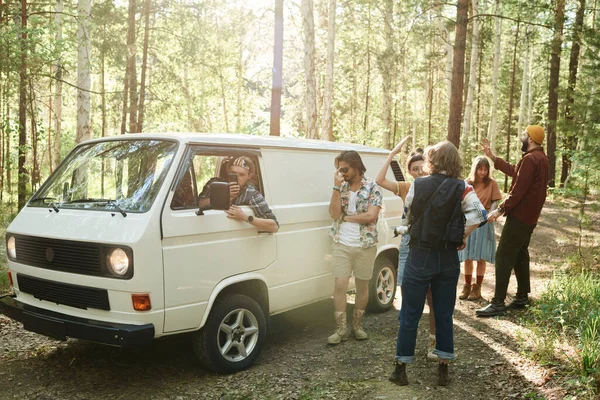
x: 481, y: 245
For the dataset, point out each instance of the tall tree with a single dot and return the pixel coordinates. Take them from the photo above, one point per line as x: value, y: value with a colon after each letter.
x: 570, y: 140
x: 387, y: 72
x: 141, y: 109
x: 327, y: 115
x: 309, y: 68
x: 524, y: 85
x: 58, y: 74
x: 491, y: 135
x: 458, y: 72
x: 131, y: 70
x: 23, y: 178
x: 472, y: 76
x: 511, y: 100
x: 559, y: 19
x: 275, y: 128
x: 84, y: 81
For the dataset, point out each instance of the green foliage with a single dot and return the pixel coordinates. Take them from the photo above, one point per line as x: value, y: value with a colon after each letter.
x: 570, y: 309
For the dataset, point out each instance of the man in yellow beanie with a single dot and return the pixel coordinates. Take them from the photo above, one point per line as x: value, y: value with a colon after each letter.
x: 522, y: 208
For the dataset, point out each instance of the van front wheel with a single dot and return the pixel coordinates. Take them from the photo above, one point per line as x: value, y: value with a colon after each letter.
x: 233, y: 336
x: 382, y: 287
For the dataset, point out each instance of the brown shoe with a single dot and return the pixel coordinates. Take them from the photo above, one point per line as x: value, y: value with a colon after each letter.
x: 466, y: 290
x: 475, y: 292
x: 443, y: 378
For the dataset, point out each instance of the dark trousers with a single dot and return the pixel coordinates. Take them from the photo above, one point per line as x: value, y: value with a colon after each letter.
x: 438, y: 269
x: 513, y: 253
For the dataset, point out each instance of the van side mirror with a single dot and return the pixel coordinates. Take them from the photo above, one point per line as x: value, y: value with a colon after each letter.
x: 219, y: 198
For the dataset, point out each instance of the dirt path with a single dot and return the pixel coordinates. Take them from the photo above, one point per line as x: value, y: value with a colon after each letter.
x: 296, y: 364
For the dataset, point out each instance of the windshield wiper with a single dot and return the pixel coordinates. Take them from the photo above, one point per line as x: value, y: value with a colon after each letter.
x: 116, y: 206
x: 36, y: 199
x: 54, y: 207
x: 88, y: 200
x: 109, y: 202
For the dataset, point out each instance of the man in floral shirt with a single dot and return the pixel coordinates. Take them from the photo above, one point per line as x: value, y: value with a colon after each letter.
x: 354, y: 206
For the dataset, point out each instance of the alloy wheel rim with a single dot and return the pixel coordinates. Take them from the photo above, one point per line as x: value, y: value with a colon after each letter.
x: 385, y: 285
x: 238, y: 335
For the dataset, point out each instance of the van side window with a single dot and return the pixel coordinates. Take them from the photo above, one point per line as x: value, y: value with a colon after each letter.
x: 203, y: 169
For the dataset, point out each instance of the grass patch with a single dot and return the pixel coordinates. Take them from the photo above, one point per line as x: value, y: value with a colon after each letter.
x: 569, y: 311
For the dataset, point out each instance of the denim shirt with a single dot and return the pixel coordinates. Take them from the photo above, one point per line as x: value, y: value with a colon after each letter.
x: 368, y: 195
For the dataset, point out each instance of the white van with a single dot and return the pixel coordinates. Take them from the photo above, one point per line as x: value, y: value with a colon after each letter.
x: 114, y: 249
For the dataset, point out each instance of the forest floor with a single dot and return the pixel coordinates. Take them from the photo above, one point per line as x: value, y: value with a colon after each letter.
x: 297, y: 364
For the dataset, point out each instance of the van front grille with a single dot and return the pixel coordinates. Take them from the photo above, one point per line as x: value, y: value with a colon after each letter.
x: 62, y: 293
x: 59, y: 255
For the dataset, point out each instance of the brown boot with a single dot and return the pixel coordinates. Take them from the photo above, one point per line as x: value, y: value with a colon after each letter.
x: 475, y: 292
x: 357, y: 330
x: 341, y: 331
x: 443, y: 378
x: 399, y: 375
x: 466, y: 290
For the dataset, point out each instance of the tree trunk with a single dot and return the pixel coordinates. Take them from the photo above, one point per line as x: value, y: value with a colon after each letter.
x: 275, y: 128
x: 35, y: 166
x: 83, y: 71
x: 22, y: 154
x: 309, y: 68
x: 495, y: 73
x: 131, y: 69
x: 125, y: 102
x: 570, y: 140
x: 449, y: 51
x: 511, y: 102
x: 472, y: 77
x: 140, y: 121
x: 56, y: 142
x: 559, y: 19
x: 524, y: 87
x: 327, y: 118
x: 458, y: 71
x: 367, y: 94
x: 387, y: 67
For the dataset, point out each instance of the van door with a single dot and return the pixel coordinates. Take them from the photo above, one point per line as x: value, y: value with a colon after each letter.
x: 199, y: 251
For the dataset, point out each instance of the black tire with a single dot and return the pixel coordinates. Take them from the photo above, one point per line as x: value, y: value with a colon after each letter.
x: 221, y: 343
x: 382, y: 287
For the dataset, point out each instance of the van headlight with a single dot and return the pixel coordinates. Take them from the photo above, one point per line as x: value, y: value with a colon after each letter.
x: 118, y: 262
x: 11, y: 247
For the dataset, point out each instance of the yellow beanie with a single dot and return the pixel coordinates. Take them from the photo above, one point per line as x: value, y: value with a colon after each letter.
x: 536, y: 133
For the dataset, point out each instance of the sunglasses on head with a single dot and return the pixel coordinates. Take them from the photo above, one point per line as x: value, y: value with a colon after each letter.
x: 343, y: 170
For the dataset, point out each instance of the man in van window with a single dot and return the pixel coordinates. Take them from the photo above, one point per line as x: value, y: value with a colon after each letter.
x: 354, y: 206
x: 243, y: 193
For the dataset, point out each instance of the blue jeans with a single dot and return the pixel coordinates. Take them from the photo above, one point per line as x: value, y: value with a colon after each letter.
x: 438, y: 268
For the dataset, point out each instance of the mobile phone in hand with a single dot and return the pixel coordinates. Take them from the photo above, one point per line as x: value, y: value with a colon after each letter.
x: 232, y: 177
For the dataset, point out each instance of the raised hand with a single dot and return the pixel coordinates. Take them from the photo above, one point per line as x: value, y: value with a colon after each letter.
x: 234, y: 190
x: 485, y: 146
x: 338, y: 178
x: 398, y: 147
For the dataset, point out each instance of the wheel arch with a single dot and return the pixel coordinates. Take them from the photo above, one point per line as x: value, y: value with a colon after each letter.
x: 251, y: 285
x: 388, y: 253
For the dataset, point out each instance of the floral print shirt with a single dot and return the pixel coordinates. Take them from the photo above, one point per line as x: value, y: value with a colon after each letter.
x: 368, y: 195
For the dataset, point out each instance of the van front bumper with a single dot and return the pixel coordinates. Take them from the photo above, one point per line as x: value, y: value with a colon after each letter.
x: 60, y: 326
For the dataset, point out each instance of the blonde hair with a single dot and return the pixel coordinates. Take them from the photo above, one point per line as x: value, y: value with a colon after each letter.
x: 443, y: 157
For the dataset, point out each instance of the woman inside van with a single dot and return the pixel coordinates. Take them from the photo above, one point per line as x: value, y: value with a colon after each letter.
x: 415, y: 169
x: 440, y: 212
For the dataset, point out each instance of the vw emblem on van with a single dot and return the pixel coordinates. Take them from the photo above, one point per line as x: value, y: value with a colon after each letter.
x: 49, y: 254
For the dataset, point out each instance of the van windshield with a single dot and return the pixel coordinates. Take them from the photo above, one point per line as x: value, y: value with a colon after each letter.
x: 123, y: 175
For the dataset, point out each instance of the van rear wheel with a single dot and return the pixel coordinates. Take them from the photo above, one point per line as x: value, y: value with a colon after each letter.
x: 233, y: 336
x: 382, y: 287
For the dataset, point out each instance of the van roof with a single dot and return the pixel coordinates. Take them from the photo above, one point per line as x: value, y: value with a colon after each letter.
x: 249, y: 140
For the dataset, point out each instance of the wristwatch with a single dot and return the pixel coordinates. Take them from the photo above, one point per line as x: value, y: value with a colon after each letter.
x: 500, y: 210
x: 250, y: 219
